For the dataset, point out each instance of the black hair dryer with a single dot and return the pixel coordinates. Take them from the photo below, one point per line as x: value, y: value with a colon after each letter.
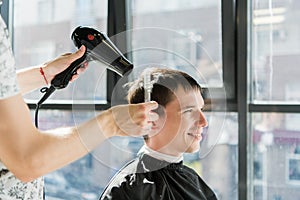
x: 98, y: 47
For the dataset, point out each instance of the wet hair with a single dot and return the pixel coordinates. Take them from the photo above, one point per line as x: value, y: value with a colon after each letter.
x: 165, y: 83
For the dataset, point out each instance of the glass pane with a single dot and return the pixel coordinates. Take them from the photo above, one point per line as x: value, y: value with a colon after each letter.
x: 276, y: 156
x: 275, y: 51
x: 218, y: 164
x: 80, y: 179
x: 180, y: 34
x: 42, y: 30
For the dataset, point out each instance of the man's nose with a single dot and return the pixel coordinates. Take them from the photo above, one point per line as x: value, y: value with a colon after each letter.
x: 202, y: 120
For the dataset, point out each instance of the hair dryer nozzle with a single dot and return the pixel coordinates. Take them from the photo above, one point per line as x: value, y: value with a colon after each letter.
x: 99, y: 47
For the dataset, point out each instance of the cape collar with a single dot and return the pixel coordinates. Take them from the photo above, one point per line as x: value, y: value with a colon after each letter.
x: 160, y: 156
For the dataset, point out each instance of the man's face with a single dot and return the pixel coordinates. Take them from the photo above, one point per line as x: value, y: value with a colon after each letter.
x: 183, y: 125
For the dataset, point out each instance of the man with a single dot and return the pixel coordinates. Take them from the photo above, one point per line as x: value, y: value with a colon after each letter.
x: 158, y: 171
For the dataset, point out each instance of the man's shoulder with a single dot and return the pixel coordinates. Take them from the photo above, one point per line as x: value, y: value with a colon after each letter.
x: 127, y: 170
x: 124, y: 183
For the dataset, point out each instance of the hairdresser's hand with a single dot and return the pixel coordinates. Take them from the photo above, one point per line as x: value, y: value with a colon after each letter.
x: 59, y: 64
x: 129, y: 120
x: 31, y: 78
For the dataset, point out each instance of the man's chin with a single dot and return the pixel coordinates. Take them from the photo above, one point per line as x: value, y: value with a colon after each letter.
x: 193, y: 149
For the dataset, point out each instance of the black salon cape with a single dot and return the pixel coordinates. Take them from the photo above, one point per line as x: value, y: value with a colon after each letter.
x: 147, y: 178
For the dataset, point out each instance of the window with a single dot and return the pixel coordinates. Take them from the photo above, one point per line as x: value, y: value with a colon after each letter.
x: 275, y: 140
x: 293, y: 169
x: 46, y: 40
x: 184, y: 35
x: 274, y: 102
x: 275, y: 51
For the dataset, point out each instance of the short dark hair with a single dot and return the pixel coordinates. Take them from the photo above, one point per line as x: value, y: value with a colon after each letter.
x: 165, y: 82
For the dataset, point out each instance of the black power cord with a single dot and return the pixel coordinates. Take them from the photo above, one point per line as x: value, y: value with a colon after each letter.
x: 48, y: 92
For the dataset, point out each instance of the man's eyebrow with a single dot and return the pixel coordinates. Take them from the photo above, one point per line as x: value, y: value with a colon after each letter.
x: 192, y: 106
x: 189, y: 106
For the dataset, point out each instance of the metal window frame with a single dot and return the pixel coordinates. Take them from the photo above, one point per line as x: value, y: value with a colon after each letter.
x: 242, y: 97
x: 117, y: 23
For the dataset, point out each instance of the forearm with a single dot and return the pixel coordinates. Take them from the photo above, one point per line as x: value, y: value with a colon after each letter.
x: 30, y: 79
x: 52, y: 150
x: 60, y: 147
x: 28, y: 153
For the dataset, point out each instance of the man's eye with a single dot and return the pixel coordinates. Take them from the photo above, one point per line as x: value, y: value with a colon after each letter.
x: 187, y: 110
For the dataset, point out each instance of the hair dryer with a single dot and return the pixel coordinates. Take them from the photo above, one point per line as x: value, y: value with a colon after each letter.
x: 98, y: 47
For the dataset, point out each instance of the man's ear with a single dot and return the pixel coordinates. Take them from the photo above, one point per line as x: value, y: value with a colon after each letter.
x: 155, y: 129
x: 155, y: 125
x: 158, y: 124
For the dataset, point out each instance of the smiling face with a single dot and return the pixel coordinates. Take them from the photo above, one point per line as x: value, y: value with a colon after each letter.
x: 181, y: 126
x: 180, y: 102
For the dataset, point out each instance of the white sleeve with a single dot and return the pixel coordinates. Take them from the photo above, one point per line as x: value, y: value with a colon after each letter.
x: 8, y: 79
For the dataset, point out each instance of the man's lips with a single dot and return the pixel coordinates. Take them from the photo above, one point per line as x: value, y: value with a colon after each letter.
x: 197, y: 136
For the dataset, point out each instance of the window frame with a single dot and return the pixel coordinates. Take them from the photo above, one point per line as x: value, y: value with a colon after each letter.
x: 247, y: 105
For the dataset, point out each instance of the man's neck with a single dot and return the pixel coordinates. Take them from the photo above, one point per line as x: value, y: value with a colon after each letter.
x: 160, y: 156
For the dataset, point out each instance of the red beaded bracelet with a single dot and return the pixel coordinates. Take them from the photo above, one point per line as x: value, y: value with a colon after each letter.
x: 43, y: 74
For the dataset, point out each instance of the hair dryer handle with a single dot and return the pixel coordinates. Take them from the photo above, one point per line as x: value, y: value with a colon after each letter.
x: 62, y: 79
